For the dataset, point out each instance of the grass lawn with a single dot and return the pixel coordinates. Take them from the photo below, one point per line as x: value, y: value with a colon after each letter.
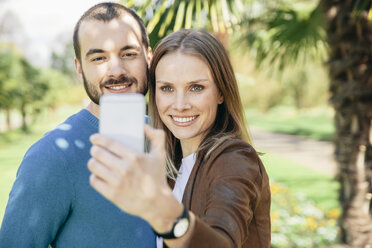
x: 316, y: 123
x: 318, y: 187
x: 13, y: 146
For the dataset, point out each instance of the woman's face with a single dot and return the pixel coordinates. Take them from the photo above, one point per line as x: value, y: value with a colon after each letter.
x: 186, y: 97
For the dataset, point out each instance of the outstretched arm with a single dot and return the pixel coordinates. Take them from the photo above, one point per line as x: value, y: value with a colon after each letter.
x: 136, y: 182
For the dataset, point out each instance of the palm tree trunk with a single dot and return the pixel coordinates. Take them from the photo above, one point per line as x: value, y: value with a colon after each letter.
x: 350, y: 41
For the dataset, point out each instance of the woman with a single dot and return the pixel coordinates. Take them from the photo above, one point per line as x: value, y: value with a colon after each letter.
x: 211, y: 166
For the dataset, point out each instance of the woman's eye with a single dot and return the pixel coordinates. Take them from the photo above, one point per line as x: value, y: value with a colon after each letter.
x: 166, y: 89
x: 197, y: 88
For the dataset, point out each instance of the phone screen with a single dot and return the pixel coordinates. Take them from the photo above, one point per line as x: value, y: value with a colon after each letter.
x: 122, y: 117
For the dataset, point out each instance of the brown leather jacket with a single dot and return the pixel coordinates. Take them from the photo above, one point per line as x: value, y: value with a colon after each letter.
x: 230, y: 196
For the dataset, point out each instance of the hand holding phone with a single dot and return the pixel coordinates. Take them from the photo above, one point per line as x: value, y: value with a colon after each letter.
x: 122, y: 117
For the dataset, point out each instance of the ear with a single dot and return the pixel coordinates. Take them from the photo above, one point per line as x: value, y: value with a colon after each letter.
x: 148, y: 56
x: 79, y: 69
x: 220, y: 99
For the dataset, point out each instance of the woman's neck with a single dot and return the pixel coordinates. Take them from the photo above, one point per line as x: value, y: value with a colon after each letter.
x: 188, y: 147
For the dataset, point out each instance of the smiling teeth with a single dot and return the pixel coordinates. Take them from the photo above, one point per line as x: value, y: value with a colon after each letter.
x: 184, y: 119
x: 118, y: 87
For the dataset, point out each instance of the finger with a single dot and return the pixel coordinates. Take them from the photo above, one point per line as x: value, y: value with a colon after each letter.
x: 113, y: 146
x: 105, y: 157
x: 157, y: 138
x: 101, y: 186
x: 102, y: 172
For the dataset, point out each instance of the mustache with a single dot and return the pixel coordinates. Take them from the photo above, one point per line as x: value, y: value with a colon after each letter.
x: 121, y: 80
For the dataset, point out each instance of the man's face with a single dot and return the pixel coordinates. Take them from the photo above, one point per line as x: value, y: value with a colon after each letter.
x: 113, y: 59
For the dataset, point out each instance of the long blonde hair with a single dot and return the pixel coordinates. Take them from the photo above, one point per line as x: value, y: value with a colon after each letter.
x: 230, y: 121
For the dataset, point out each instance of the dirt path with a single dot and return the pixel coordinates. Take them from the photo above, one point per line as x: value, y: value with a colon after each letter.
x: 317, y: 155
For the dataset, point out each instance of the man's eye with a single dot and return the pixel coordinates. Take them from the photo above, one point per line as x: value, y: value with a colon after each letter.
x: 197, y: 88
x: 129, y: 55
x: 97, y: 59
x: 166, y: 89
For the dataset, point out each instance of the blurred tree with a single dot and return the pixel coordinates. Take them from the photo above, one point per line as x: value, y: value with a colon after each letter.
x: 30, y: 92
x: 283, y: 36
x: 20, y: 86
x: 62, y: 59
x: 58, y: 84
x: 349, y: 29
x: 11, y: 73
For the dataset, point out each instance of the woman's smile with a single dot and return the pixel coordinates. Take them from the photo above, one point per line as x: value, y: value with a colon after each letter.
x: 183, y: 121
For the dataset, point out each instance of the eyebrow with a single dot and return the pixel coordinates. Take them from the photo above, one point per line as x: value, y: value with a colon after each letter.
x: 124, y: 48
x: 93, y: 51
x: 191, y: 82
x: 130, y: 47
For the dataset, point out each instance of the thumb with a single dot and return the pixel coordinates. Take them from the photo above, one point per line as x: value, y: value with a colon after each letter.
x: 157, y: 138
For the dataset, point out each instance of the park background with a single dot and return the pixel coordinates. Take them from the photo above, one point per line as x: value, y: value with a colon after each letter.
x: 298, y: 75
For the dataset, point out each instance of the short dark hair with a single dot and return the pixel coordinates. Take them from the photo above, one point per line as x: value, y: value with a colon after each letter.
x: 106, y: 12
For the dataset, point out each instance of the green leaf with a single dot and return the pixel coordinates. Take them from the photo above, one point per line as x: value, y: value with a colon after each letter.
x: 155, y: 19
x: 214, y: 20
x: 189, y: 15
x: 198, y: 14
x: 180, y: 16
x: 168, y: 20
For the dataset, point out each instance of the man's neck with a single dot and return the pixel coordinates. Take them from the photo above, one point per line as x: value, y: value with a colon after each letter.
x: 93, y: 109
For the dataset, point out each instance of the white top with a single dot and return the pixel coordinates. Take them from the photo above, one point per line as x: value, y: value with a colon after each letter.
x: 183, y: 176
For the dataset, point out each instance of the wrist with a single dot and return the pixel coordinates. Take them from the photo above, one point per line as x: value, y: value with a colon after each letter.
x: 164, y: 212
x: 179, y: 228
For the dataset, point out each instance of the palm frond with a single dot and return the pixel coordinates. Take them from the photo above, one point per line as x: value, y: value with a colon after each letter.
x: 285, y: 36
x: 163, y: 16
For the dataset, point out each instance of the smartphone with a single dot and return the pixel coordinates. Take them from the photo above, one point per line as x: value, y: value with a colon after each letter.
x: 122, y: 117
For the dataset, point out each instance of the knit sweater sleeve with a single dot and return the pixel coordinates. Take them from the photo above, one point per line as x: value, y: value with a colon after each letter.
x: 40, y: 199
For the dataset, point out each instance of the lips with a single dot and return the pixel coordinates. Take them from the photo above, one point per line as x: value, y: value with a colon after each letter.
x: 118, y: 88
x: 183, y: 120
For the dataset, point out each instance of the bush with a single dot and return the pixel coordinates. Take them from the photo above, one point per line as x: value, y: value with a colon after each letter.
x: 260, y: 93
x: 302, y: 86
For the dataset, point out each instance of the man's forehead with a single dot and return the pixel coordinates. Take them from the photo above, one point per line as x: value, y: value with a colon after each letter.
x: 124, y: 23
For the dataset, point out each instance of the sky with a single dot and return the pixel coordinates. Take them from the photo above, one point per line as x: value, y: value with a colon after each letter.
x: 45, y: 22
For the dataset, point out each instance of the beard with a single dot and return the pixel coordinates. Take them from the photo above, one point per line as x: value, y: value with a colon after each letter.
x: 95, y: 94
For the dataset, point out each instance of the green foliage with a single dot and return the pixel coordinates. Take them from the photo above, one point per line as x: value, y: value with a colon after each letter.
x: 285, y: 34
x: 164, y: 16
x: 63, y: 61
x: 260, y: 92
x: 56, y: 82
x: 305, y: 85
x: 302, y: 86
x: 26, y: 88
x: 11, y: 73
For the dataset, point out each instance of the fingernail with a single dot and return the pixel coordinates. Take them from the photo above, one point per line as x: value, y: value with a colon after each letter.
x: 93, y: 137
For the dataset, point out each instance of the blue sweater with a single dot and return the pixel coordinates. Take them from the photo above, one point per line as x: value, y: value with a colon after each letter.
x: 51, y: 201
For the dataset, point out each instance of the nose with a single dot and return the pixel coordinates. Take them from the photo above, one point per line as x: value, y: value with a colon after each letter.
x: 181, y: 102
x: 116, y: 68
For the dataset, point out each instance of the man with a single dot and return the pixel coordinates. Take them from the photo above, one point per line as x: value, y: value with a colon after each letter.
x: 51, y: 202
